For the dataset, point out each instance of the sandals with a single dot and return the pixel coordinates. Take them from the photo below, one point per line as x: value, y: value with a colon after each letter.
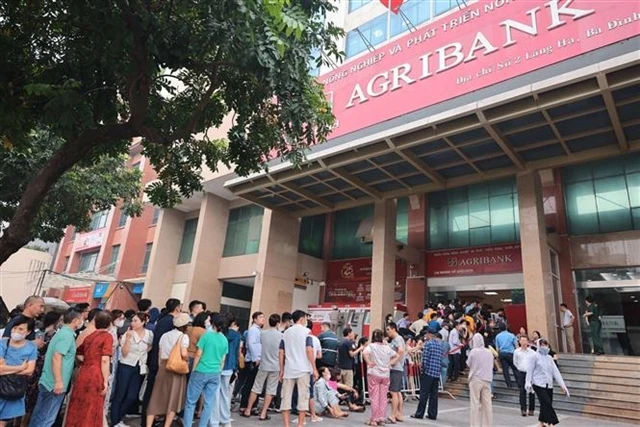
x: 391, y: 420
x: 266, y: 418
x: 242, y: 414
x: 370, y: 423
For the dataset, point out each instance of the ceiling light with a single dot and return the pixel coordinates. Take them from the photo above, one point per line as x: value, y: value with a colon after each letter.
x: 491, y: 293
x: 506, y: 300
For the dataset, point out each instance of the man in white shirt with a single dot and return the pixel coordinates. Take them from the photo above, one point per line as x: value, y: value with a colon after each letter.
x: 297, y: 363
x: 454, y: 353
x: 567, y: 326
x: 522, y: 357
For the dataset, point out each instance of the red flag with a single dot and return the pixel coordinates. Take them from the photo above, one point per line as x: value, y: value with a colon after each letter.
x: 392, y: 5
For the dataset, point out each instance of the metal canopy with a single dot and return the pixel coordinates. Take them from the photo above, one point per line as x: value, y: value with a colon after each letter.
x: 592, y: 117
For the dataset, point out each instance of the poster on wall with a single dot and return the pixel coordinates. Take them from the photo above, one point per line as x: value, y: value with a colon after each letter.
x: 349, y: 281
x: 497, y: 259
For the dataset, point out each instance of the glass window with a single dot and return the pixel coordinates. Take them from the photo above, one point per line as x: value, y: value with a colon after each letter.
x: 88, y: 262
x: 99, y: 220
x: 147, y: 256
x: 442, y: 6
x: 243, y: 231
x: 416, y: 11
x: 603, y: 196
x: 311, y: 238
x: 115, y: 251
x: 314, y: 69
x: 356, y: 4
x: 402, y: 220
x: 156, y: 215
x: 477, y: 215
x: 123, y: 219
x: 66, y: 264
x: 375, y: 31
x: 188, y: 239
x: 346, y: 244
x: 136, y: 166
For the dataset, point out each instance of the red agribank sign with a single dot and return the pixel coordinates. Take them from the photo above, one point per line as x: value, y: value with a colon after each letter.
x: 484, y: 43
x: 475, y: 261
x: 349, y: 281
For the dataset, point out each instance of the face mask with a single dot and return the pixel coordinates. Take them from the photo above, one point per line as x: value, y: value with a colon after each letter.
x: 17, y: 336
x: 543, y: 350
x: 119, y: 323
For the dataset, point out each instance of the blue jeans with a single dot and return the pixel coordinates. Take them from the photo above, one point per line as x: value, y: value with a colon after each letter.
x: 443, y: 375
x: 47, y: 407
x: 127, y: 387
x: 221, y: 413
x: 206, y: 385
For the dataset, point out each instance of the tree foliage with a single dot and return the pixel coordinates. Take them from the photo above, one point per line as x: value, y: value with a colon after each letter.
x: 96, y: 74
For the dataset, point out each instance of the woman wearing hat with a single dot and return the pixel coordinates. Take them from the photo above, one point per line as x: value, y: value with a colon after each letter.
x: 169, y: 390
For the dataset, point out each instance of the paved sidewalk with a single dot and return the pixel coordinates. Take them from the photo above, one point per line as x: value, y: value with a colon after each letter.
x: 451, y: 413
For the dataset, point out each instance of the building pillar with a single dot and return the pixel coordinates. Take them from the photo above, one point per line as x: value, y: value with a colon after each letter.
x: 383, y: 270
x: 203, y: 284
x: 276, y: 266
x: 164, y: 256
x: 416, y: 294
x: 536, y: 263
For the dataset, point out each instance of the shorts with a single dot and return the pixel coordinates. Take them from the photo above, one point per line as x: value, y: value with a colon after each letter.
x: 397, y: 377
x: 303, y: 393
x: 347, y: 377
x: 10, y: 409
x: 271, y: 378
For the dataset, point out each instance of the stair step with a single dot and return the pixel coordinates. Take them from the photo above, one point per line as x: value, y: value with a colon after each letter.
x: 615, y: 359
x: 587, y: 365
x: 609, y: 373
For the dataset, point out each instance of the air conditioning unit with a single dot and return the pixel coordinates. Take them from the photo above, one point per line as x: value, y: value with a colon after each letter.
x: 365, y: 230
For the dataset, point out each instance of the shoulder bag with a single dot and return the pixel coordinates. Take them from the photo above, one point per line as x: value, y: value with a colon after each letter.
x: 175, y: 362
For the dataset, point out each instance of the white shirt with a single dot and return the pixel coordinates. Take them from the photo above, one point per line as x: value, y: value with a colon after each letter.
x: 567, y: 319
x: 522, y: 359
x: 170, y: 339
x: 138, y: 349
x: 542, y: 372
x: 295, y: 341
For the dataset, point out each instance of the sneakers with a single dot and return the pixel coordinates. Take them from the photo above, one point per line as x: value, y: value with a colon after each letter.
x: 121, y: 424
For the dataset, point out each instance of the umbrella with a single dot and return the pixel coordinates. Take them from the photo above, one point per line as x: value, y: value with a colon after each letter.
x: 55, y: 304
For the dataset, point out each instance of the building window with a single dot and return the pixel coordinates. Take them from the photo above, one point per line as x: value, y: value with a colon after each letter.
x: 99, y: 220
x: 314, y: 69
x: 375, y: 31
x: 346, y: 243
x: 442, y: 6
x: 66, y: 264
x: 188, y: 239
x: 115, y: 251
x: 88, y: 262
x: 477, y: 215
x: 243, y: 231
x: 402, y: 220
x: 156, y: 215
x: 604, y: 196
x: 135, y: 166
x: 416, y: 11
x: 147, y: 256
x: 357, y: 4
x: 311, y: 238
x: 123, y: 219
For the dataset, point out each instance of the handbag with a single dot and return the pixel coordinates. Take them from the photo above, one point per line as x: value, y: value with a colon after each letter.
x: 176, y: 363
x: 14, y: 386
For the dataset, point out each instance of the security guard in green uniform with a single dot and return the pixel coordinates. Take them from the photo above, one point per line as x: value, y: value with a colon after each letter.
x: 595, y: 325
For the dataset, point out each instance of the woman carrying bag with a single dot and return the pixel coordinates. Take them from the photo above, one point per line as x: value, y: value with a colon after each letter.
x: 169, y: 390
x: 17, y: 362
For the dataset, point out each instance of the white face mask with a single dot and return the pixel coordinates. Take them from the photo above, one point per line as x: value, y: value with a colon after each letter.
x: 15, y: 336
x: 119, y: 323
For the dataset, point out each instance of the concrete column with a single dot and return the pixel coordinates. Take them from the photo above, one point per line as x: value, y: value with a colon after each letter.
x: 276, y: 267
x: 416, y: 295
x: 203, y: 283
x: 164, y: 256
x: 383, y: 270
x: 536, y: 264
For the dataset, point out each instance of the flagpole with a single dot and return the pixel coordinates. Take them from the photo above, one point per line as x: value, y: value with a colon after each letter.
x: 389, y: 20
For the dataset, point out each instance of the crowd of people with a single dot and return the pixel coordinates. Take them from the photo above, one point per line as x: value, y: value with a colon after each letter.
x: 163, y: 365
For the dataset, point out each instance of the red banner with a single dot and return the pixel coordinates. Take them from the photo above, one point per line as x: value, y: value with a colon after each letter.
x: 349, y: 281
x: 480, y: 45
x: 475, y: 261
x: 77, y: 295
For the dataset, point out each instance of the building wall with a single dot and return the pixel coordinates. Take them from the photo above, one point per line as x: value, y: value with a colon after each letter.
x: 20, y: 273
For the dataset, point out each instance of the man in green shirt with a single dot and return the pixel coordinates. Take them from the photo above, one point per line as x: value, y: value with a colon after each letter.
x: 213, y: 347
x: 595, y: 324
x: 56, y: 372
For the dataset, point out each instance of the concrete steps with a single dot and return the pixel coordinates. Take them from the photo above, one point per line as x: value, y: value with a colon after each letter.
x: 600, y: 387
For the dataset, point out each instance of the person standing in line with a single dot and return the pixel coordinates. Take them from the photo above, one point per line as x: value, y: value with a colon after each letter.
x: 455, y: 352
x: 329, y: 344
x: 168, y: 394
x: 33, y: 308
x: 221, y: 413
x: 317, y: 354
x: 86, y: 403
x: 522, y: 361
x: 17, y: 357
x: 397, y: 374
x: 567, y: 327
x: 540, y: 376
x: 417, y: 326
x: 269, y: 369
x: 480, y: 362
x: 379, y: 358
x: 213, y: 347
x: 445, y: 357
x: 198, y: 327
x: 595, y: 325
x: 196, y: 307
x: 252, y: 358
x: 297, y: 363
x: 429, y: 378
x: 134, y: 348
x: 506, y: 344
x: 56, y: 371
x: 404, y: 323
x: 347, y: 351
